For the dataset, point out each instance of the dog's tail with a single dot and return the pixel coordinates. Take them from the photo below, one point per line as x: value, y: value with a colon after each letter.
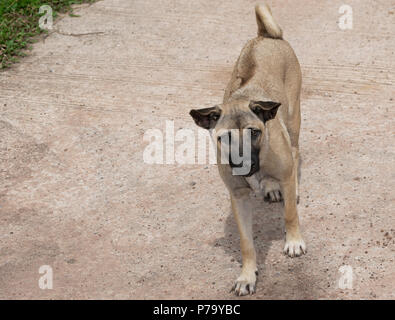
x: 267, y: 27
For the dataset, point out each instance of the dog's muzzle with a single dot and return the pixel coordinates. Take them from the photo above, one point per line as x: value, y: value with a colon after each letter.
x: 252, y: 164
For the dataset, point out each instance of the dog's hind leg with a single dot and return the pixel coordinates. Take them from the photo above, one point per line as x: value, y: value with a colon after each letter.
x: 245, y: 283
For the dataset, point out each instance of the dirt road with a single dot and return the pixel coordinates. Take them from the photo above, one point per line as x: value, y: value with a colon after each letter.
x: 76, y: 195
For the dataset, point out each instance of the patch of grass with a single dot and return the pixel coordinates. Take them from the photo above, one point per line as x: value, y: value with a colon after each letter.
x: 19, y: 24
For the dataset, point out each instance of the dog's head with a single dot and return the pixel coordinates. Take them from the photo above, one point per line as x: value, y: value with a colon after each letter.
x: 238, y: 130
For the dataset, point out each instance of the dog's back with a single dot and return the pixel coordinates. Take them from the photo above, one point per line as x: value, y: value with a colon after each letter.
x: 268, y: 68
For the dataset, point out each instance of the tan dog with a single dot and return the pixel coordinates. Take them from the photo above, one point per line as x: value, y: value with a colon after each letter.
x: 262, y: 101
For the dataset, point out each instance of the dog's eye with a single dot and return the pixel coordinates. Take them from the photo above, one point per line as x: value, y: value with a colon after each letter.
x: 215, y: 117
x: 255, y: 133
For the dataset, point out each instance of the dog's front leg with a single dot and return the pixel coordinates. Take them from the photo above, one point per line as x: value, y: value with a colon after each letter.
x: 294, y: 244
x: 241, y: 205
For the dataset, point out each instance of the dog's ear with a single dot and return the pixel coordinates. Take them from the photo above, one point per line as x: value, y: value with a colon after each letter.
x: 207, y: 117
x: 265, y: 110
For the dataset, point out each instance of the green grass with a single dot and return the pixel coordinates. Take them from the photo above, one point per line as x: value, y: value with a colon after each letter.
x: 19, y: 24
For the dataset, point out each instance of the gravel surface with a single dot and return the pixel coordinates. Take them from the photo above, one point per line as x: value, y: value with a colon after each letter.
x: 75, y: 193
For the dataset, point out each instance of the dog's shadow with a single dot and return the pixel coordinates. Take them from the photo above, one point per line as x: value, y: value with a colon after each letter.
x: 268, y: 226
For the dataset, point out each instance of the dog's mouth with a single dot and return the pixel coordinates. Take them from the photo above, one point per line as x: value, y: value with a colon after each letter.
x: 241, y: 170
x: 248, y: 166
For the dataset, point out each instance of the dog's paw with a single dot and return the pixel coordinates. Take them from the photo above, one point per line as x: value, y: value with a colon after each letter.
x: 245, y: 284
x: 272, y: 190
x: 295, y: 248
x: 273, y: 196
